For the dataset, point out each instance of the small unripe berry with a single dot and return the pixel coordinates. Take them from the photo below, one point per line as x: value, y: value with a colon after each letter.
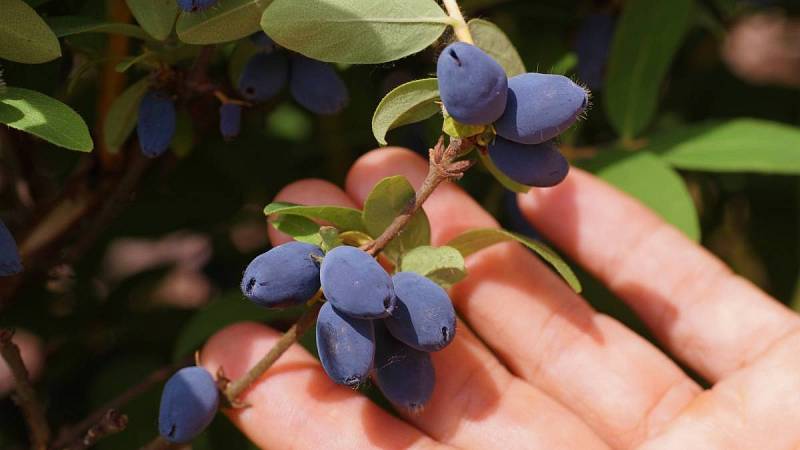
x: 230, y: 120
x: 156, y: 123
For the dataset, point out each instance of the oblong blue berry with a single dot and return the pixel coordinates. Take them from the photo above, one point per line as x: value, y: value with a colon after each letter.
x: 188, y: 404
x: 262, y: 41
x: 316, y: 85
x: 423, y: 316
x: 156, y: 123
x: 263, y: 76
x: 356, y: 284
x: 472, y: 85
x: 593, y: 45
x: 196, y: 5
x: 10, y: 262
x: 285, y: 275
x: 405, y: 375
x: 539, y: 165
x: 230, y: 120
x: 346, y: 346
x: 540, y: 107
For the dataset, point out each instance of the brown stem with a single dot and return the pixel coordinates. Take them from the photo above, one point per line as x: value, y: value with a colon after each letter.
x: 25, y: 396
x: 112, y: 422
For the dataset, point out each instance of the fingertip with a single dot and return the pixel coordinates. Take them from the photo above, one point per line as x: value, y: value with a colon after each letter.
x: 372, y: 167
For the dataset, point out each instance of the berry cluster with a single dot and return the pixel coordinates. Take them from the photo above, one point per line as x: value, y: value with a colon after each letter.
x: 527, y: 111
x: 372, y: 323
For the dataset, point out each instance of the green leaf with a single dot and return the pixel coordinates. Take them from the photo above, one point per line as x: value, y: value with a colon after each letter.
x: 45, y: 117
x: 157, y: 17
x: 345, y: 219
x: 70, y: 25
x: 388, y: 199
x: 648, y: 35
x: 491, y: 39
x: 498, y: 174
x: 443, y: 265
x: 472, y: 241
x: 408, y: 103
x: 122, y: 115
x: 355, y: 31
x: 228, y: 21
x: 741, y: 145
x: 565, y: 64
x: 330, y: 238
x: 228, y: 309
x: 24, y: 36
x: 299, y: 228
x: 131, y: 61
x: 649, y: 179
x: 454, y: 128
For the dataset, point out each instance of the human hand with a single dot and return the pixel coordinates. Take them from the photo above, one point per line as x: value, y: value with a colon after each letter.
x: 548, y: 371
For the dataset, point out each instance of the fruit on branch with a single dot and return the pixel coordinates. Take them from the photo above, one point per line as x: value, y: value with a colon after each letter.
x: 10, y: 262
x: 405, y: 375
x: 262, y: 41
x: 540, y: 107
x: 195, y: 5
x: 472, y: 85
x: 316, y: 85
x: 156, y: 123
x: 285, y: 275
x: 539, y: 165
x: 263, y: 76
x: 230, y: 120
x: 423, y: 316
x: 593, y: 45
x: 188, y: 404
x: 356, y: 285
x: 346, y: 346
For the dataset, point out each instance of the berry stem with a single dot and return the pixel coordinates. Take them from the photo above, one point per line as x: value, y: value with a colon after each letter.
x: 460, y: 26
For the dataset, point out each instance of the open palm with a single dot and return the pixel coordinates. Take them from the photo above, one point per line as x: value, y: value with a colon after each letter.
x: 534, y: 366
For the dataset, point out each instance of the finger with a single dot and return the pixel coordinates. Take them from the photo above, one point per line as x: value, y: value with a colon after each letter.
x: 713, y: 320
x: 295, y: 405
x: 308, y: 192
x: 476, y: 402
x: 756, y: 407
x: 616, y: 381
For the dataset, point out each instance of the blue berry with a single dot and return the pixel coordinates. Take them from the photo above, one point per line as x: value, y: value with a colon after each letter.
x: 196, y: 5
x: 230, y: 120
x: 346, y: 346
x: 593, y: 45
x: 285, y: 275
x: 516, y: 221
x: 263, y: 76
x: 188, y: 405
x: 540, y: 107
x: 472, y: 85
x: 356, y: 284
x: 539, y: 165
x: 423, y: 316
x: 10, y: 263
x: 317, y: 86
x: 405, y: 375
x: 262, y: 41
x: 156, y: 123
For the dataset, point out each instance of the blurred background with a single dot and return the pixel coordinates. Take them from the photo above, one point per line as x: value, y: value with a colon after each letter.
x: 132, y: 263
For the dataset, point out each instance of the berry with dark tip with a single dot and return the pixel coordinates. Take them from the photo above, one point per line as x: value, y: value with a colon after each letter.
x: 10, y: 262
x: 346, y: 346
x: 356, y: 284
x: 316, y: 85
x: 188, y: 405
x: 540, y: 107
x: 263, y: 76
x: 156, y: 123
x: 423, y: 316
x: 405, y: 375
x: 262, y: 41
x: 285, y: 275
x: 230, y: 120
x: 196, y: 5
x: 472, y: 85
x: 539, y: 165
x: 593, y: 45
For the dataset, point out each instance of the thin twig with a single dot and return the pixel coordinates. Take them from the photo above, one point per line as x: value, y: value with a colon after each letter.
x: 460, y: 26
x: 112, y: 422
x: 25, y: 396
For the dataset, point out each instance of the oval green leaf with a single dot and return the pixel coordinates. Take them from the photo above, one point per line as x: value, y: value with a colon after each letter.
x: 299, y: 228
x: 122, y: 115
x: 472, y: 241
x: 355, y: 31
x: 648, y: 35
x: 345, y: 219
x: 45, y: 117
x: 157, y: 17
x: 491, y: 39
x: 443, y: 265
x: 408, y: 103
x: 70, y: 25
x: 228, y: 21
x: 24, y: 36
